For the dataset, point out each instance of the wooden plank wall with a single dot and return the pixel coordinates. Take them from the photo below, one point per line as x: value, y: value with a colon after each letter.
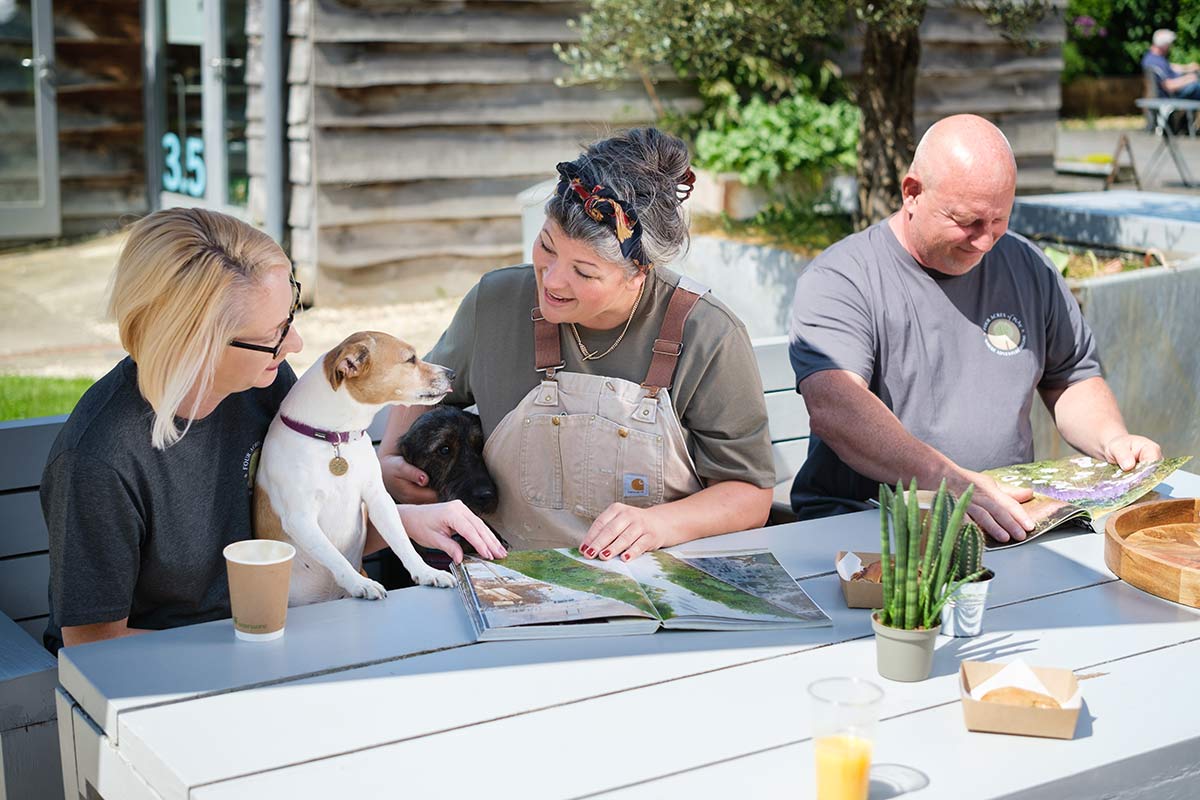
x: 413, y: 125
x: 969, y: 67
x: 416, y: 124
x: 98, y: 47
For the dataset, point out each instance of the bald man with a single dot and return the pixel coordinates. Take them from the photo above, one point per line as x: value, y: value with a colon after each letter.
x: 918, y: 344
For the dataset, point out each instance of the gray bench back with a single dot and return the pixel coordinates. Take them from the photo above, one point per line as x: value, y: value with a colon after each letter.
x: 24, y: 562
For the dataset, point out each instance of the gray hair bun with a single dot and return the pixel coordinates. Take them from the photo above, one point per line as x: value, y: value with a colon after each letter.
x: 651, y: 172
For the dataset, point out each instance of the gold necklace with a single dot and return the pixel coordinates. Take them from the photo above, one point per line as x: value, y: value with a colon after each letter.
x: 594, y: 356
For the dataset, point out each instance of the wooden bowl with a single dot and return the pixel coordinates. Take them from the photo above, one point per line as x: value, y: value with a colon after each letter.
x: 1170, y: 566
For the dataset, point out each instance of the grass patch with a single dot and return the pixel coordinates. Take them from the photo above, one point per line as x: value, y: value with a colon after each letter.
x: 23, y: 396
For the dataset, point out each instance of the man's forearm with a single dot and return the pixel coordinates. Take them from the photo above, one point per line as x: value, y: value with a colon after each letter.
x: 1087, y: 415
x: 871, y: 440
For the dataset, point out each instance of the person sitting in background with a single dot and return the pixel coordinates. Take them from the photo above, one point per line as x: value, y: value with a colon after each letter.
x: 1173, y: 80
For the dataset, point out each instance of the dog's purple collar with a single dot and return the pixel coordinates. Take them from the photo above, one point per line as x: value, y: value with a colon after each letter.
x: 333, y: 437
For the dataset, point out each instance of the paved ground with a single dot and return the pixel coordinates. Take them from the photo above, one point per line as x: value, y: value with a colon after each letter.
x: 52, y: 303
x: 52, y: 314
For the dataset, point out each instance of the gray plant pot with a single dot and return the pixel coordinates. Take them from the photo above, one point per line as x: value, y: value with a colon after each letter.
x: 903, y: 655
x: 963, y: 613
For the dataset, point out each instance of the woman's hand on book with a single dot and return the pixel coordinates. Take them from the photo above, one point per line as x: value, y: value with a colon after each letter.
x: 622, y: 531
x: 1128, y: 450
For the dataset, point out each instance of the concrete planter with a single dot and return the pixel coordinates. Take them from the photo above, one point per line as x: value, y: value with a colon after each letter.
x: 903, y: 655
x: 1143, y: 321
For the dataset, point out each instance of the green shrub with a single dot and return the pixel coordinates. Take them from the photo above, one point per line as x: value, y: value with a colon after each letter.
x: 763, y: 142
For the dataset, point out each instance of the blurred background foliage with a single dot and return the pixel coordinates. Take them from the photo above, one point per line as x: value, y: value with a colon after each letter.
x: 1109, y: 37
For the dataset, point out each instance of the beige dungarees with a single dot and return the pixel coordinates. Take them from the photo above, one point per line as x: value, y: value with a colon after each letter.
x: 578, y: 443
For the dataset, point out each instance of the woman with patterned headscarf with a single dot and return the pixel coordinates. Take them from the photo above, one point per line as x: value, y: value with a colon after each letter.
x: 621, y: 403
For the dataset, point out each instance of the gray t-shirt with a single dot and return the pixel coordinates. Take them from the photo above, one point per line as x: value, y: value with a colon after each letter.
x: 137, y: 532
x: 956, y: 359
x: 717, y: 392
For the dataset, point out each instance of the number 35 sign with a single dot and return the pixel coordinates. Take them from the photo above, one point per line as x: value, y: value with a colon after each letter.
x: 186, y: 176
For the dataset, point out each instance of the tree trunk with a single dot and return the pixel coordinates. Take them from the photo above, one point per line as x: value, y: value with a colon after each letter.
x: 885, y: 94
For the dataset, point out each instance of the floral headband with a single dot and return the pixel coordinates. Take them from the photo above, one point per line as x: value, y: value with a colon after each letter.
x: 602, y: 204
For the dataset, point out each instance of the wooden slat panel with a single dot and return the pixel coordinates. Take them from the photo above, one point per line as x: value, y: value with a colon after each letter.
x: 382, y: 64
x: 368, y: 245
x: 981, y: 94
x: 401, y: 202
x: 773, y: 365
x: 22, y: 529
x: 23, y: 584
x: 951, y: 22
x: 382, y: 155
x: 787, y: 415
x: 463, y: 104
x: 25, y: 443
x: 333, y: 22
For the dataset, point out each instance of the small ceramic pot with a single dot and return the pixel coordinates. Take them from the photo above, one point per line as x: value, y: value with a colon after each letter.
x: 902, y: 655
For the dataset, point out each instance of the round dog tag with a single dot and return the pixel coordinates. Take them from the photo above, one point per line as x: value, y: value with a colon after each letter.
x: 338, y: 466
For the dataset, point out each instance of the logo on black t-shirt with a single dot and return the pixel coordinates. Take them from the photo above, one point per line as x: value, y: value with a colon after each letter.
x: 250, y: 464
x: 1004, y: 334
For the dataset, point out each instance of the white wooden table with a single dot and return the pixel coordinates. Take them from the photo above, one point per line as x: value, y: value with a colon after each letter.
x: 392, y: 698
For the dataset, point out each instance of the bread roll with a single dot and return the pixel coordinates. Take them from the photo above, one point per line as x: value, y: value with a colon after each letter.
x: 1012, y: 696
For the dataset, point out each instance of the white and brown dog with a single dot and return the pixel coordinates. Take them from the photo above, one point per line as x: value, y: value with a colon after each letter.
x: 318, y: 469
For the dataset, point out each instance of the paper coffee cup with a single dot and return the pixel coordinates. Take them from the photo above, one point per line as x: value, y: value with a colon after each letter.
x: 258, y: 587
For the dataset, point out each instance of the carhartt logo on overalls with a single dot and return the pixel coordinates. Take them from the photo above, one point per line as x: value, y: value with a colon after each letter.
x: 636, y: 486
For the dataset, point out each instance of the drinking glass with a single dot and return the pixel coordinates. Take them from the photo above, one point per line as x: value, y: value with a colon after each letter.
x: 845, y: 712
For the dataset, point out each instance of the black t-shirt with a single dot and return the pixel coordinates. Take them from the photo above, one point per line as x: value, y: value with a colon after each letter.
x: 137, y: 532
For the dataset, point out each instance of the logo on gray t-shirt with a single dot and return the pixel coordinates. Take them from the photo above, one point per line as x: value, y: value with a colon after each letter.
x: 1004, y: 333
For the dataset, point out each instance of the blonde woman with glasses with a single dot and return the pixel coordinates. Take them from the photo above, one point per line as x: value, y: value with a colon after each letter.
x: 151, y: 474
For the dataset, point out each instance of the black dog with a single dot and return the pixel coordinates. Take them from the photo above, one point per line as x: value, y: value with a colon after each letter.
x: 447, y: 445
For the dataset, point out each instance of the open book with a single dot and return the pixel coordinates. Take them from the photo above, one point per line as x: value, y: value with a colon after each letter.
x: 546, y: 594
x: 1079, y: 490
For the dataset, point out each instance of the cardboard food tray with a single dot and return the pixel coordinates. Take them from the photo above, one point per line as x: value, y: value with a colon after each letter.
x: 861, y: 594
x: 1054, y: 723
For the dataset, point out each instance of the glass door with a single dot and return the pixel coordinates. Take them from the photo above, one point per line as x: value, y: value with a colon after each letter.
x: 204, y: 143
x: 29, y: 198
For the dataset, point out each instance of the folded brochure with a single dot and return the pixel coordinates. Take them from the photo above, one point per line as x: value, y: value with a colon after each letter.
x: 545, y: 594
x: 1079, y: 489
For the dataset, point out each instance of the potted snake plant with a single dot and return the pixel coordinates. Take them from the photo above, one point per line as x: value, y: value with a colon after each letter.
x: 963, y: 613
x: 918, y: 582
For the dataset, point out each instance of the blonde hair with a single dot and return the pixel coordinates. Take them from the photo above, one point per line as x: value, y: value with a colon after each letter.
x: 180, y: 292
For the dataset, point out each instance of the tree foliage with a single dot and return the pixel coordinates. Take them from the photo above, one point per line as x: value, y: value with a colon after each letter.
x: 746, y: 56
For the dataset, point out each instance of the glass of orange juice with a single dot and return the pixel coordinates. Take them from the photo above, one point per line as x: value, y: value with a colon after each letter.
x: 845, y: 712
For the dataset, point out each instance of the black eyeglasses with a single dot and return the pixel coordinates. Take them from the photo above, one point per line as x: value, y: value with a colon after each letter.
x: 274, y: 351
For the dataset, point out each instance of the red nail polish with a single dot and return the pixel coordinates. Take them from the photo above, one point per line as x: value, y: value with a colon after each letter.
x: 624, y: 556
x: 587, y: 551
x: 605, y: 554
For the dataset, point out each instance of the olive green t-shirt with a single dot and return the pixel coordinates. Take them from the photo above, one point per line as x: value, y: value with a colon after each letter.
x: 717, y: 392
